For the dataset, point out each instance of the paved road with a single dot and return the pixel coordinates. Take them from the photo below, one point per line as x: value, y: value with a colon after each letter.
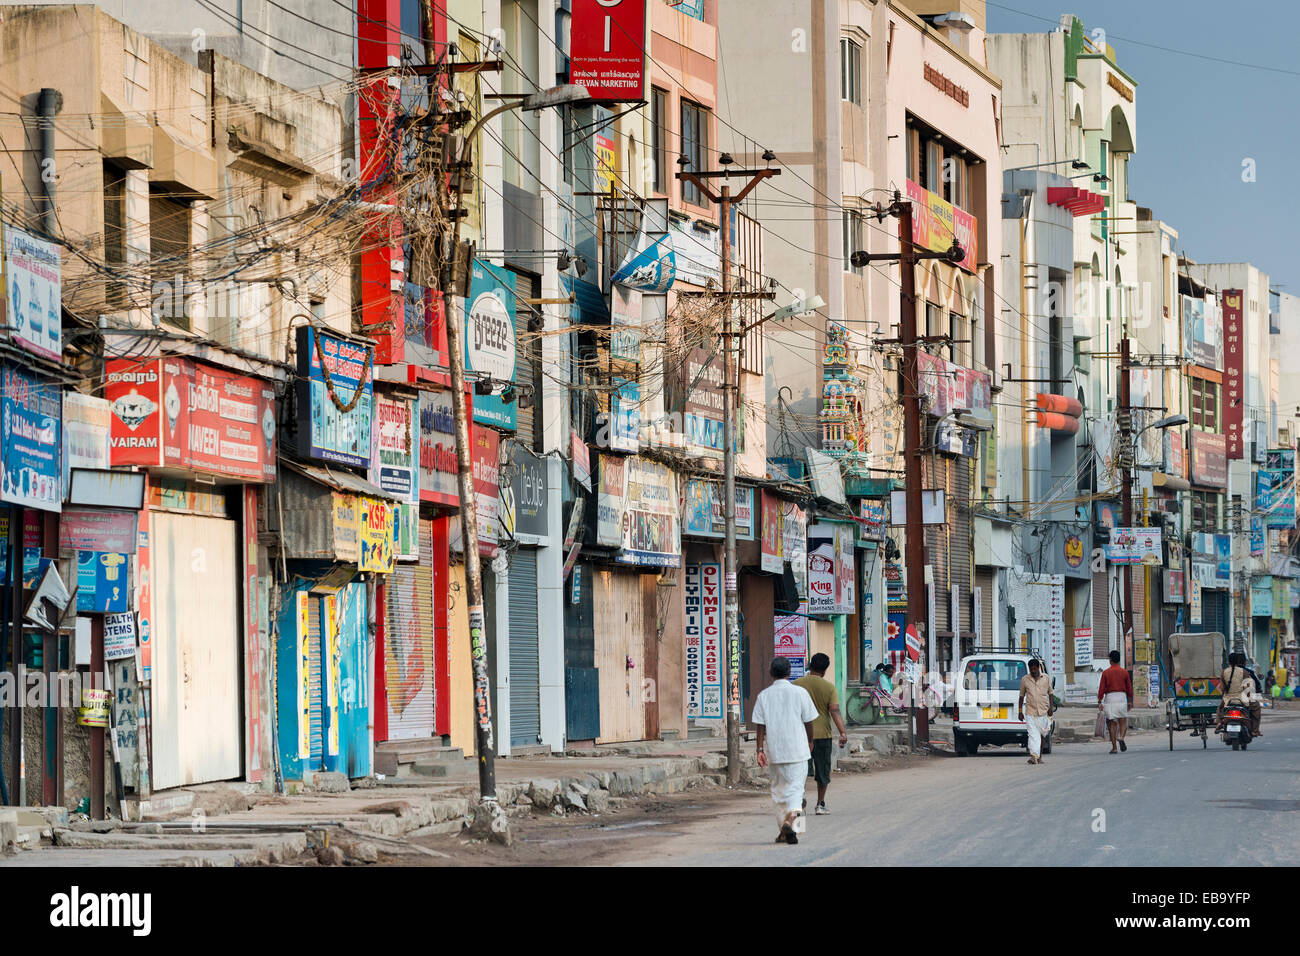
x: 1185, y: 807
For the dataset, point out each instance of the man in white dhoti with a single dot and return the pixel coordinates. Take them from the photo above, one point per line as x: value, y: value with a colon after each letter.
x: 1035, y: 708
x: 784, y: 715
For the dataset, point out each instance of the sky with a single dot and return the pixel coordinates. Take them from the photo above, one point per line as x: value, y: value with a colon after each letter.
x: 1198, y: 119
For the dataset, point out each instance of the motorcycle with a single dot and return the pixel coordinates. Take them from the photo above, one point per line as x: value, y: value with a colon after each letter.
x: 1235, y: 729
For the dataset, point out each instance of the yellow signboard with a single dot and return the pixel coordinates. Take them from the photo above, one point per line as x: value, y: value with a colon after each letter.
x: 606, y: 163
x: 377, y: 526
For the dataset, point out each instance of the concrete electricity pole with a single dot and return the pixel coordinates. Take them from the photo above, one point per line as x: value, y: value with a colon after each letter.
x: 557, y: 96
x: 913, y: 446
x: 724, y: 200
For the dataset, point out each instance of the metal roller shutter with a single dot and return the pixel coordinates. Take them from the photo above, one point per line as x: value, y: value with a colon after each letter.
x: 1214, y: 614
x: 960, y: 545
x: 1101, y: 643
x: 984, y: 581
x: 315, y: 706
x: 525, y: 692
x: 408, y: 645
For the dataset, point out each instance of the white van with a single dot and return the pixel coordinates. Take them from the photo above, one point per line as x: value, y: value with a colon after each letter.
x: 985, y: 703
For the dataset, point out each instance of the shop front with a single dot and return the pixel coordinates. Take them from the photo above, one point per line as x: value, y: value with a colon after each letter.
x: 207, y: 435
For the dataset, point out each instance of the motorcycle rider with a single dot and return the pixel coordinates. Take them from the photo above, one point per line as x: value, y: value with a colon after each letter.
x: 1238, y: 686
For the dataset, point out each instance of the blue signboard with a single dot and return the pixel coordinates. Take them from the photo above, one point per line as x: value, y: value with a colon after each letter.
x: 490, y: 341
x: 331, y: 426
x: 102, y: 582
x: 31, y: 472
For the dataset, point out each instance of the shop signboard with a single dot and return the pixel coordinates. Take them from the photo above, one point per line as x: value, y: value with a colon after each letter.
x: 1275, y: 497
x: 524, y: 500
x: 624, y: 423
x: 702, y: 510
x: 845, y: 571
x: 702, y: 387
x: 33, y: 291
x: 1234, y: 381
x: 31, y: 472
x: 625, y: 324
x: 790, y: 636
x: 102, y: 581
x: 375, y: 535
x: 822, y: 579
x: 1209, y: 459
x: 1082, y: 647
x: 98, y: 530
x: 486, y: 466
x: 937, y: 223
x: 119, y: 636
x: 490, y: 340
x: 770, y: 552
x: 794, y: 544
x: 607, y: 41
x: 650, y: 523
x: 1202, y: 332
x: 335, y: 397
x: 703, y: 601
x: 438, y: 468
x: 872, y: 525
x: 178, y: 413
x: 392, y: 464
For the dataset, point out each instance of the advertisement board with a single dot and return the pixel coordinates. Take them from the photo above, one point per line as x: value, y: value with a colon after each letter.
x: 702, y: 515
x: 703, y: 602
x: 936, y: 223
x: 438, y: 468
x: 625, y: 324
x: 823, y: 583
x: 702, y: 409
x: 611, y: 500
x: 335, y: 398
x: 33, y: 289
x: 770, y: 558
x: 1275, y: 497
x: 607, y: 40
x: 872, y: 513
x: 1234, y: 382
x: 790, y: 635
x: 486, y: 464
x: 1134, y: 546
x: 1209, y: 454
x: 651, y: 527
x: 490, y: 340
x: 393, y: 464
x: 87, y: 422
x: 524, y: 500
x: 1202, y: 332
x: 31, y: 472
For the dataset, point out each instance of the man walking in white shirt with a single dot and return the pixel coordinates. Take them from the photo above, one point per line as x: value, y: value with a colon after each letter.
x: 784, y: 716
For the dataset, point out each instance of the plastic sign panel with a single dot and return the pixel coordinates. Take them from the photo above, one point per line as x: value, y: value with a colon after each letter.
x: 33, y: 289
x: 331, y: 371
x: 703, y: 601
x: 490, y: 340
x: 31, y: 473
x: 607, y: 49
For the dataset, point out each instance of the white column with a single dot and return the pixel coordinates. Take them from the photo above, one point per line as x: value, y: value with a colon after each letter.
x: 550, y: 613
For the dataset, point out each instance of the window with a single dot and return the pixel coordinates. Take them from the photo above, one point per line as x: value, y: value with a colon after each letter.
x: 169, y: 248
x: 994, y: 674
x: 1205, y: 404
x: 851, y: 71
x: 1207, y: 511
x: 933, y: 171
x: 658, y: 139
x: 114, y: 234
x: 854, y: 239
x: 695, y: 147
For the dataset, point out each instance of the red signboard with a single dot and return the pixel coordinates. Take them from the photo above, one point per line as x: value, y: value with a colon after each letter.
x: 1209, y: 459
x: 607, y: 48
x: 105, y: 530
x: 178, y: 413
x: 1234, y: 384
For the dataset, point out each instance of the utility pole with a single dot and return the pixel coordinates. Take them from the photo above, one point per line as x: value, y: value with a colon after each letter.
x: 724, y: 201
x: 913, y: 446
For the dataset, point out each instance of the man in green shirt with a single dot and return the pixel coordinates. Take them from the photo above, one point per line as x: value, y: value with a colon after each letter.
x: 827, y: 702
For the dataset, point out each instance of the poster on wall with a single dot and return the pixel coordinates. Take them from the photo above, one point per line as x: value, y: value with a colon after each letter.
x: 703, y: 602
x: 771, y: 551
x: 31, y: 472
x: 34, y: 297
x: 790, y: 639
x: 1082, y: 647
x: 335, y: 397
x: 490, y: 340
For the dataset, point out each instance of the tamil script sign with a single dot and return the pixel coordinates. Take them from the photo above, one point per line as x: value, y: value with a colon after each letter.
x: 1234, y: 381
x: 607, y: 40
x: 1134, y: 546
x: 335, y: 395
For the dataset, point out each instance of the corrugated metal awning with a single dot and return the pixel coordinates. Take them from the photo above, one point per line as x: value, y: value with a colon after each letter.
x: 339, y: 480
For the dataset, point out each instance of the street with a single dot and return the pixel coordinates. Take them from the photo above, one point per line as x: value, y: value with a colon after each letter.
x: 1082, y: 807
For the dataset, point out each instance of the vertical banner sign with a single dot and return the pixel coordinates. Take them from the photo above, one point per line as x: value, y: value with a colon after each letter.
x: 1196, y: 601
x: 304, y: 677
x: 252, y: 643
x: 821, y: 578
x: 30, y: 459
x: 977, y: 615
x: 710, y: 576
x: 607, y: 49
x: 144, y: 592
x: 694, y: 602
x: 770, y: 559
x: 1234, y: 406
